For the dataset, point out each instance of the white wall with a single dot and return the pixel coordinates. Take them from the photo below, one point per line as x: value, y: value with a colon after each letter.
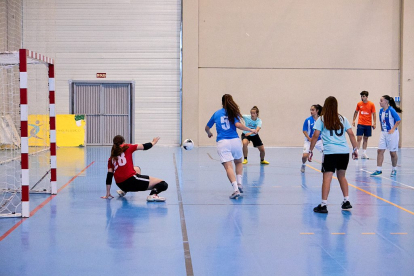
x: 284, y: 56
x: 135, y: 40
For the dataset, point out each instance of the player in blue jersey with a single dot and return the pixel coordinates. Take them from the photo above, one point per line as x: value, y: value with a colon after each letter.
x: 390, y: 135
x: 315, y: 111
x: 229, y: 146
x: 333, y: 126
x: 254, y: 122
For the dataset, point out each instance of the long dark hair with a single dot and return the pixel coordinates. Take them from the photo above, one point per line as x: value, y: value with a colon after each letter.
x: 392, y: 103
x: 117, y: 150
x: 318, y: 108
x: 330, y: 114
x: 232, y: 109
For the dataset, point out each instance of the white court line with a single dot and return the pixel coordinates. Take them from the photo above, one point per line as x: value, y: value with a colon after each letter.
x: 389, y: 179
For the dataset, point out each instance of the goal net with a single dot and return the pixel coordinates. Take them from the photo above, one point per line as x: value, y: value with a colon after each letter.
x: 27, y: 130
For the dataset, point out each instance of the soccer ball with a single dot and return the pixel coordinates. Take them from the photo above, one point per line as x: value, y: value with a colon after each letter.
x: 188, y: 144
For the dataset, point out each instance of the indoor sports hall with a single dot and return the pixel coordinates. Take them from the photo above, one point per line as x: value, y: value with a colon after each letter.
x: 75, y: 75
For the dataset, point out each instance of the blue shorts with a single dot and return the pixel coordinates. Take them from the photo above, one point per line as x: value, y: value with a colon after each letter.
x: 363, y: 130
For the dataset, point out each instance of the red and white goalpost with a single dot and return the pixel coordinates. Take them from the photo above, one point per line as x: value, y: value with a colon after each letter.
x: 31, y: 103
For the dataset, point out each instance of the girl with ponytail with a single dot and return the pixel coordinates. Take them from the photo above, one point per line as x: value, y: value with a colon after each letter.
x: 253, y: 121
x: 127, y: 177
x: 390, y: 136
x: 315, y: 111
x: 333, y: 127
x: 229, y: 146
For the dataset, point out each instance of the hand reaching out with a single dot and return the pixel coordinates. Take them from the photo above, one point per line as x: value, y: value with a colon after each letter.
x: 155, y: 140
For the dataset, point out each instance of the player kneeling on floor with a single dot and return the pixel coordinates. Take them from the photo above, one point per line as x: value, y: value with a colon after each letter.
x: 127, y: 177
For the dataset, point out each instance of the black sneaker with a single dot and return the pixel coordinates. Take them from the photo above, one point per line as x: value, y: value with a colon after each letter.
x: 346, y: 205
x: 320, y: 209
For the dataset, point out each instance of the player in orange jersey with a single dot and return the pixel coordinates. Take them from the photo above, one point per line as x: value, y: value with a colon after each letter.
x: 366, y: 110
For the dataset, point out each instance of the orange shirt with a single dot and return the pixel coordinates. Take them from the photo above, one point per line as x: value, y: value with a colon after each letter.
x: 365, y: 113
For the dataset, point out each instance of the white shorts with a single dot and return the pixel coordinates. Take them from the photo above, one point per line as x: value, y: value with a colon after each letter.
x: 318, y: 146
x: 389, y: 141
x: 229, y: 149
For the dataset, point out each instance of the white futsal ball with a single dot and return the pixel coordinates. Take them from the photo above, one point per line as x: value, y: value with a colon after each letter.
x: 188, y: 144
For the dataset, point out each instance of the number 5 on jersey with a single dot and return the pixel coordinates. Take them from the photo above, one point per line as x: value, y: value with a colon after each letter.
x: 225, y: 124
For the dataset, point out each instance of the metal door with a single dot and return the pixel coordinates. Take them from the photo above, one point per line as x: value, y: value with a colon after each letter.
x: 108, y: 110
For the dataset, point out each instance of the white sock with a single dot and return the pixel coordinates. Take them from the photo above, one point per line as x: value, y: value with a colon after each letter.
x: 234, y: 184
x: 379, y: 169
x: 239, y: 179
x: 324, y: 202
x: 394, y: 168
x: 365, y: 151
x: 346, y: 198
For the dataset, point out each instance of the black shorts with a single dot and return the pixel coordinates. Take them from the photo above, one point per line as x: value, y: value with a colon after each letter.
x: 257, y: 142
x: 332, y: 162
x: 135, y: 183
x: 363, y: 130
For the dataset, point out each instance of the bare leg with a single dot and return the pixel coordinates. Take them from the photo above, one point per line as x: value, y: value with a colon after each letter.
x: 365, y: 143
x: 394, y: 158
x: 380, y: 157
x: 239, y: 166
x: 153, y: 181
x: 359, y: 139
x: 262, y: 152
x: 305, y: 157
x: 228, y: 166
x: 342, y: 181
x: 245, y: 150
x: 326, y: 184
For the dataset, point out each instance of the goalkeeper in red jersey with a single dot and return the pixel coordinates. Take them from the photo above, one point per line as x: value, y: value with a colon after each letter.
x: 127, y: 177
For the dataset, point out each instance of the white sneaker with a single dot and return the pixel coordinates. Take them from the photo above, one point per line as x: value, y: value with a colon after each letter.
x: 121, y: 193
x: 302, y: 169
x: 235, y: 194
x: 364, y: 156
x: 156, y: 198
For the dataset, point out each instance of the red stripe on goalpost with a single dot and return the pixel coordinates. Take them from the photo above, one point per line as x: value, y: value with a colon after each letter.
x: 23, y: 129
x: 23, y: 95
x: 52, y: 127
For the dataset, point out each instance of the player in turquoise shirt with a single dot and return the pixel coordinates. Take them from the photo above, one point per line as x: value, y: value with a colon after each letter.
x: 333, y: 127
x: 334, y: 141
x: 254, y: 122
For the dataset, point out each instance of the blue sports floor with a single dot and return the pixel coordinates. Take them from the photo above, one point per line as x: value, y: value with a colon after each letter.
x: 272, y: 230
